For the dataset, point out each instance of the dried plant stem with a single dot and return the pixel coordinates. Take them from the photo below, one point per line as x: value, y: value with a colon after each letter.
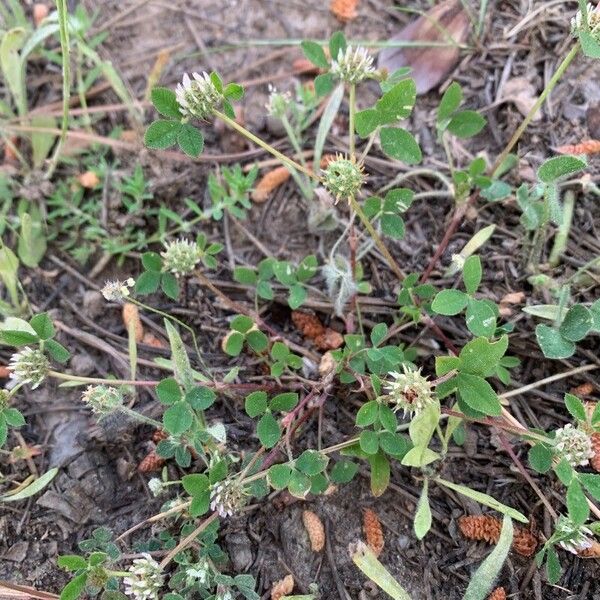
x: 376, y: 238
x: 248, y: 134
x: 560, y: 71
x: 100, y: 381
x: 61, y: 7
x: 186, y: 541
x: 351, y: 113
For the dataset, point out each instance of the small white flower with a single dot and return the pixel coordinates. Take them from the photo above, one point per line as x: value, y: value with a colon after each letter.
x: 197, y: 97
x: 593, y: 14
x: 30, y: 365
x: 116, y: 290
x: 574, y: 445
x: 576, y: 537
x: 409, y: 391
x: 181, y: 256
x: 198, y: 572
x: 226, y: 498
x: 278, y: 102
x: 353, y: 65
x: 145, y: 579
x: 156, y: 486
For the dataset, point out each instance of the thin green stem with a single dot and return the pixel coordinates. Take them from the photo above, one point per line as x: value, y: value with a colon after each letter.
x: 140, y: 417
x: 542, y: 98
x: 99, y: 380
x: 351, y: 113
x: 376, y: 238
x: 562, y: 235
x: 282, y: 157
x: 370, y: 142
x: 61, y: 7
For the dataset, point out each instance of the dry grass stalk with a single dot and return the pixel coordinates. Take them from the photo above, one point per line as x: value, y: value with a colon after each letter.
x: 314, y: 528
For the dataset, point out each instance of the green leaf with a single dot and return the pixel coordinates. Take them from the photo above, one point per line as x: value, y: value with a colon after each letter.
x: 419, y: 457
x: 32, y: 239
x: 540, y: 458
x: 200, y: 397
x: 279, y: 476
x: 577, y: 323
x: 367, y: 414
x: 315, y: 53
x: 257, y: 340
x: 337, y: 42
x: 299, y: 485
x: 400, y: 144
x: 245, y: 275
x: 297, y: 296
x: 307, y: 268
x: 13, y: 417
x: 591, y: 483
x: 483, y: 580
x: 387, y: 417
x: 343, y: 471
x: 178, y: 418
x: 480, y: 318
x: 558, y: 167
x: 478, y: 394
x: 564, y: 471
x: 449, y: 302
x: 233, y: 91
x: 284, y: 402
x: 481, y: 357
x: 147, y: 283
x: 466, y: 124
x: 552, y: 343
x: 484, y: 499
x: 169, y: 285
x: 397, y: 103
x: 369, y: 441
x: 241, y: 323
x: 312, y: 462
x: 71, y: 562
x: 268, y: 430
x: 577, y: 505
x: 380, y: 473
x: 233, y: 343
x: 42, y: 325
x: 74, y: 588
x: 165, y: 102
x: 553, y: 568
x: 393, y: 225
x: 256, y: 404
x: 575, y: 407
x: 323, y: 84
x: 152, y: 261
x: 57, y: 351
x: 378, y: 333
x: 190, y: 140
x: 450, y: 102
x: 33, y: 488
x: 200, y: 505
x: 168, y: 391
x: 181, y: 363
x: 422, y: 521
x: 589, y: 44
x: 424, y: 424
x: 367, y: 121
x: 196, y: 484
x: 394, y: 444
x: 162, y: 134
x: 472, y: 274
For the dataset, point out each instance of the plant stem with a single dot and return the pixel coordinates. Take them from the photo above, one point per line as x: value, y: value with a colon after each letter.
x: 100, y: 381
x: 542, y: 98
x: 562, y: 235
x: 140, y: 417
x: 282, y: 157
x: 61, y: 7
x: 376, y: 238
x: 351, y: 112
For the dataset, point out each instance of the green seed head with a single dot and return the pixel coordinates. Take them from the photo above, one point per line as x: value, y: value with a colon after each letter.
x: 102, y: 399
x: 181, y: 257
x: 343, y: 177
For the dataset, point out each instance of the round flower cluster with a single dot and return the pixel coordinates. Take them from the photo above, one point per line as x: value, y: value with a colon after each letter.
x: 409, y: 391
x: 156, y: 486
x: 353, y: 65
x: 145, y: 579
x: 199, y: 572
x: 181, y: 257
x: 227, y: 497
x: 343, y: 177
x: 574, y: 445
x: 197, y: 97
x: 575, y: 537
x: 113, y: 291
x: 593, y: 15
x: 30, y: 365
x: 278, y: 102
x: 102, y: 399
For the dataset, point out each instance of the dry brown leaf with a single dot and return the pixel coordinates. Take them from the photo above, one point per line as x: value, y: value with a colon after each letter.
x: 314, y: 528
x: 430, y: 66
x: 131, y: 318
x: 344, y: 10
x: 521, y: 92
x: 283, y: 587
x: 88, y: 180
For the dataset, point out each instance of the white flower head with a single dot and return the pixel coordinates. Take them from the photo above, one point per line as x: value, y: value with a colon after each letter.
x: 181, y: 256
x: 30, y: 365
x: 574, y: 445
x: 575, y: 537
x: 278, y: 102
x: 116, y: 290
x: 353, y: 65
x: 227, y: 497
x: 199, y: 572
x: 102, y: 399
x: 409, y: 391
x: 593, y: 15
x: 145, y: 579
x: 197, y: 97
x: 156, y: 486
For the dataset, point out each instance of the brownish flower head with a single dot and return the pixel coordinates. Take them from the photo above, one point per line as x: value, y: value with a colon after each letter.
x: 373, y: 531
x: 314, y: 528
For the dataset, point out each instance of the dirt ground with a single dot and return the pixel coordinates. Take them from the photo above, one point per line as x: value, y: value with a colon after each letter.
x: 98, y: 483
